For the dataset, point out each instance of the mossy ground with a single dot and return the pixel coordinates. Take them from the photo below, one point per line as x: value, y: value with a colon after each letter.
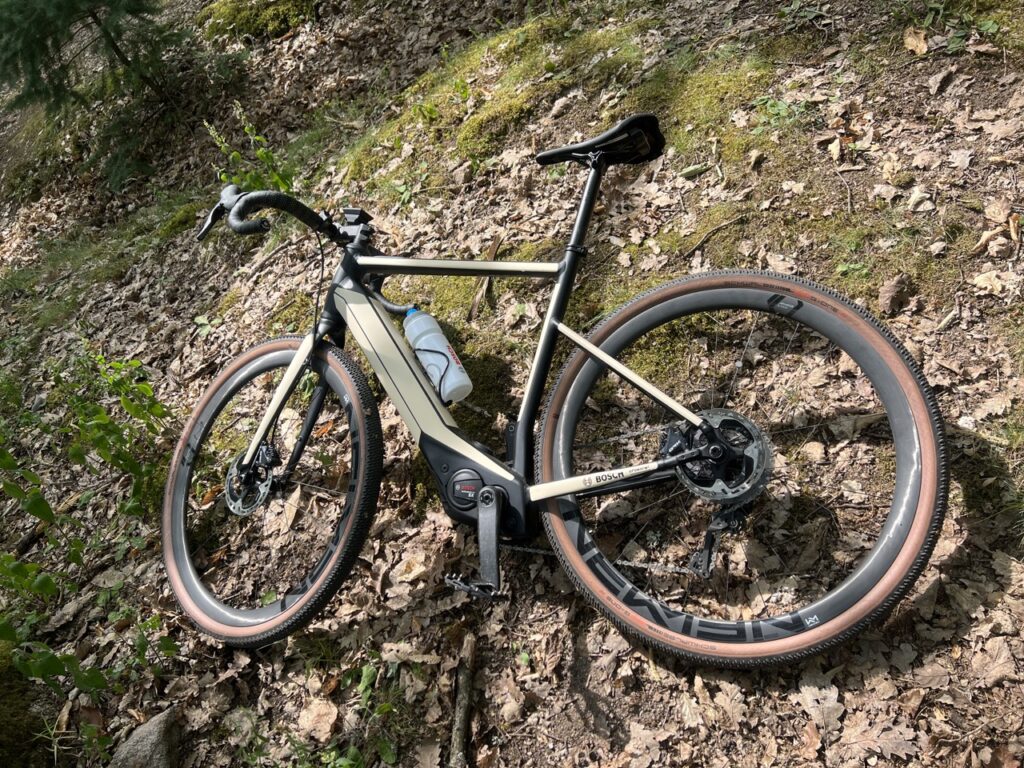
x: 293, y: 313
x: 254, y: 18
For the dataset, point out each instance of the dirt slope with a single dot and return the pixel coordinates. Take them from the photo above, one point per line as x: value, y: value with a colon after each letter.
x: 829, y: 150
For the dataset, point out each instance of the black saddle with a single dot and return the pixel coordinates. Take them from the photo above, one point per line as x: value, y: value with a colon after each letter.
x: 636, y: 139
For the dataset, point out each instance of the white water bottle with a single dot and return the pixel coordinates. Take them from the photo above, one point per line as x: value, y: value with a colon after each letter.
x: 437, y: 356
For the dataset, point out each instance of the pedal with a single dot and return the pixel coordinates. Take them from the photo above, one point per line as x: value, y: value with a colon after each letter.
x: 490, y: 503
x: 478, y: 589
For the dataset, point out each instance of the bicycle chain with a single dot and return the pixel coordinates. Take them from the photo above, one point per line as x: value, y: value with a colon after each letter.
x: 731, y: 518
x: 654, y: 567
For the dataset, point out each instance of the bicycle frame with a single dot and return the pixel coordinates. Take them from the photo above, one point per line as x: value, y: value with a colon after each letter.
x: 350, y: 305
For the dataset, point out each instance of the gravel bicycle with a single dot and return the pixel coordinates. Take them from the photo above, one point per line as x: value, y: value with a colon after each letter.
x: 738, y: 468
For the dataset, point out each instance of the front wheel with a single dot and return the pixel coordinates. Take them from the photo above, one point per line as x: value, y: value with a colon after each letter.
x: 253, y: 554
x: 836, y: 487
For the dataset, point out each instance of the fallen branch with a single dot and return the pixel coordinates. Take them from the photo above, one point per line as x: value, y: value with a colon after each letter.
x: 463, y: 699
x: 707, y: 235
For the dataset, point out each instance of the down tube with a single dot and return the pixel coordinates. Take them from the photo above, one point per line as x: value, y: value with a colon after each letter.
x: 401, y: 375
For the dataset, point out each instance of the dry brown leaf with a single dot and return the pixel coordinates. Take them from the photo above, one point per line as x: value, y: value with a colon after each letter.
x: 986, y: 237
x: 939, y: 80
x: 995, y: 281
x: 820, y: 700
x: 996, y: 405
x: 998, y: 210
x: 920, y: 200
x: 893, y: 294
x: 731, y: 702
x: 1004, y: 129
x: 835, y: 149
x: 993, y: 663
x: 914, y: 40
x: 961, y: 158
x: 428, y: 755
x: 932, y: 675
x: 926, y: 159
x: 861, y: 738
x: 810, y: 742
x: 317, y: 719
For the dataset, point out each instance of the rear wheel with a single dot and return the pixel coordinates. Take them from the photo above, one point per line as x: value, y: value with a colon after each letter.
x: 253, y: 554
x: 835, y: 485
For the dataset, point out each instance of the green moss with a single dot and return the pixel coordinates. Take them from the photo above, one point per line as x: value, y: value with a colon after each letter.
x: 228, y: 301
x: 903, y: 179
x: 479, y: 98
x: 483, y: 134
x: 293, y: 313
x: 184, y: 218
x: 254, y: 18
x: 696, y: 102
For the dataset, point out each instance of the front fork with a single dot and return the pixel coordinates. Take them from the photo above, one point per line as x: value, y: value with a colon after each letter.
x: 331, y: 326
x: 316, y: 404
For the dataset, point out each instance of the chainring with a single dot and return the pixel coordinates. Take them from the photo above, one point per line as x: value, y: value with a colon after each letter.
x: 735, y: 480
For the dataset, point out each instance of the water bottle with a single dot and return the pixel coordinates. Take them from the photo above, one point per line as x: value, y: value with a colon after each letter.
x: 437, y: 356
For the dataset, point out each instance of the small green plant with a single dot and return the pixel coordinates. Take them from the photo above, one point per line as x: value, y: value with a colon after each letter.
x: 956, y: 22
x: 206, y: 324
x: 853, y: 269
x: 777, y: 113
x: 122, y: 443
x: 264, y: 170
x: 800, y: 15
x: 95, y: 742
x: 24, y: 486
x: 407, y: 189
x: 427, y: 111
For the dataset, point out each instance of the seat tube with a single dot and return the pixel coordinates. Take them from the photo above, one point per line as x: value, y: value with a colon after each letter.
x: 523, y: 441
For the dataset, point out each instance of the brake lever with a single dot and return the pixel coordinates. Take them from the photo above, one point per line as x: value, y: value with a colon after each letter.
x: 218, y: 213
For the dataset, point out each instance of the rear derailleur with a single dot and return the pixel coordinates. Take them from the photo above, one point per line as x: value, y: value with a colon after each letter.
x: 731, y: 468
x: 726, y: 520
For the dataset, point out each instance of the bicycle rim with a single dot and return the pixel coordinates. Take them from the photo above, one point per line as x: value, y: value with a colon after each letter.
x: 845, y: 440
x: 261, y: 563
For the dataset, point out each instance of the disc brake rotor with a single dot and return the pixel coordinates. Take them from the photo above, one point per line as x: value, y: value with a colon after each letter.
x: 243, y: 495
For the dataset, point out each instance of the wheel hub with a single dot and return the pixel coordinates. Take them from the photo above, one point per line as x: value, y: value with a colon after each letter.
x: 735, y: 459
x: 245, y: 491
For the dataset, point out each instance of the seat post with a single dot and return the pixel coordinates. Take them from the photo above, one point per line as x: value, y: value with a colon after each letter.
x: 597, y: 167
x: 521, y: 442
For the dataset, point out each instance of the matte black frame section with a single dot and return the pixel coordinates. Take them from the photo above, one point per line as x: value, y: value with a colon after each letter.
x: 388, y: 265
x: 521, y: 520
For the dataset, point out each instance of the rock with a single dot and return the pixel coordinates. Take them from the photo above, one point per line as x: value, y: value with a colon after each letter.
x: 154, y: 744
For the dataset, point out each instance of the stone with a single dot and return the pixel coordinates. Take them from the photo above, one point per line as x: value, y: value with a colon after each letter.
x: 154, y: 744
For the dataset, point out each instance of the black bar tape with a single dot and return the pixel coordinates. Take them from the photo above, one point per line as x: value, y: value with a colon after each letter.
x: 256, y: 201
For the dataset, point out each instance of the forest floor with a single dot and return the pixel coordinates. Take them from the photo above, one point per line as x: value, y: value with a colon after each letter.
x: 838, y: 146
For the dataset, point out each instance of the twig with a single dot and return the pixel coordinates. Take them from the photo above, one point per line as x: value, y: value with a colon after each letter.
x: 849, y: 192
x: 463, y: 699
x: 484, y: 282
x: 707, y: 235
x: 26, y: 542
x: 255, y: 269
